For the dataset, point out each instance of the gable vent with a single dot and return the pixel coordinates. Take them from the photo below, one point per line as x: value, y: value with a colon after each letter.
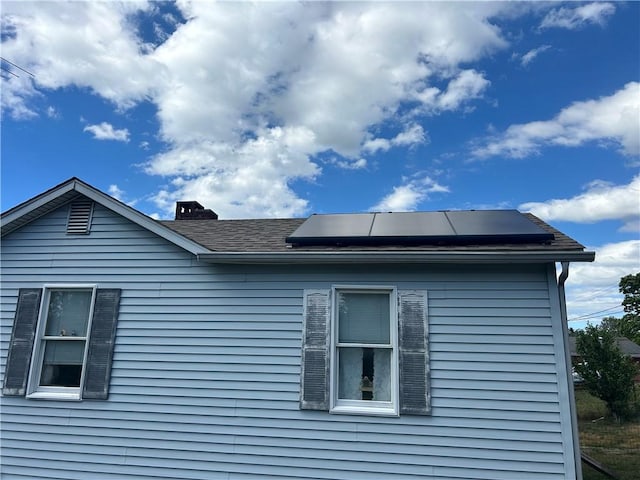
x: 79, y: 222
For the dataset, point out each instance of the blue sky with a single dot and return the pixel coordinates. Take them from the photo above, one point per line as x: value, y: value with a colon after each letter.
x: 280, y: 109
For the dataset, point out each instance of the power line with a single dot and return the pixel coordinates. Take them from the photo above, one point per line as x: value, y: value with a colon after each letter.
x: 596, y: 292
x: 583, y: 318
x: 4, y: 69
x: 17, y: 66
x: 588, y: 319
x: 595, y: 313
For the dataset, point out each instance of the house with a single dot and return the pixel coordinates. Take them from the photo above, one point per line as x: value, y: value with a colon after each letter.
x: 625, y: 345
x: 369, y: 346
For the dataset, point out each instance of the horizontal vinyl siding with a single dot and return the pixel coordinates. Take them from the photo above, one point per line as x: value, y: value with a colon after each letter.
x: 205, y: 378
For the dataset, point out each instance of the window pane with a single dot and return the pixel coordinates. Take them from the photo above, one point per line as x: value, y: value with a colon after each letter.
x: 62, y: 365
x: 68, y: 313
x: 363, y: 318
x: 364, y: 374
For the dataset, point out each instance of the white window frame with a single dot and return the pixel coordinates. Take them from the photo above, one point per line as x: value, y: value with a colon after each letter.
x: 34, y: 389
x: 364, y: 407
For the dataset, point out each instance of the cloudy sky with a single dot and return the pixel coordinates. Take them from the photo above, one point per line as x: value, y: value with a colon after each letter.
x: 281, y: 109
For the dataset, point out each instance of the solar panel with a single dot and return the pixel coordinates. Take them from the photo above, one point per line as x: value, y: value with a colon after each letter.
x: 405, y: 228
x: 494, y: 223
x: 337, y: 226
x: 411, y: 224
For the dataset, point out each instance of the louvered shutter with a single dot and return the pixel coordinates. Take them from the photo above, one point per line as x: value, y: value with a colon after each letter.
x: 314, y: 378
x: 101, y: 343
x: 414, y: 353
x: 21, y: 344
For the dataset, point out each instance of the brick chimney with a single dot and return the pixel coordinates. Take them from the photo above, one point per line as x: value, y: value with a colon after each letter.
x: 194, y: 211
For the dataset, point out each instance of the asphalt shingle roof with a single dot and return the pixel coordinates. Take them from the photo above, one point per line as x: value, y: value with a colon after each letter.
x: 627, y: 346
x: 268, y: 235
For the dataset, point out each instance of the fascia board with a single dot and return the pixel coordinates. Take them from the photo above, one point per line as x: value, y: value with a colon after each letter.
x: 395, y: 257
x: 35, y: 203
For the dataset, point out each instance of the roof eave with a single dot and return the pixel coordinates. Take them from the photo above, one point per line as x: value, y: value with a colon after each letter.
x: 32, y: 205
x: 396, y: 257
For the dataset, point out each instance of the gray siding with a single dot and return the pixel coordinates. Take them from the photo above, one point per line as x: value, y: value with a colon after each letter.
x: 206, y: 371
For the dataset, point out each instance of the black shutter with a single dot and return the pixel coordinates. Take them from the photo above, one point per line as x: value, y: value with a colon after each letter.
x: 21, y: 345
x: 414, y: 353
x: 314, y: 377
x: 101, y: 343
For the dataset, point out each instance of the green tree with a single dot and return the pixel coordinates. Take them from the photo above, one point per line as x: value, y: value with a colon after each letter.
x: 607, y: 372
x: 629, y: 325
x: 630, y: 321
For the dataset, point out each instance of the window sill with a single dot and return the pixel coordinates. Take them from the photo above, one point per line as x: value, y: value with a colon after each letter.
x: 63, y: 396
x: 365, y: 410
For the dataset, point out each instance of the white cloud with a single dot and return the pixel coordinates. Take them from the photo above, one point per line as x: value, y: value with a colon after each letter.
x: 236, y: 78
x: 368, y: 58
x: 376, y: 145
x: 52, y: 112
x: 528, y: 57
x: 17, y: 94
x: 613, y: 260
x: 578, y: 17
x: 332, y: 71
x: 413, y: 135
x: 601, y: 201
x: 105, y: 131
x: 408, y: 196
x: 403, y: 198
x: 615, y: 119
x: 348, y: 164
x: 593, y: 287
x: 119, y: 194
x: 467, y: 85
x: 86, y: 44
x: 251, y: 180
x: 116, y: 192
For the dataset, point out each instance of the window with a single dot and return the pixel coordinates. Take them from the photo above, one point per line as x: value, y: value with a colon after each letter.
x: 62, y: 342
x: 60, y: 349
x: 365, y: 351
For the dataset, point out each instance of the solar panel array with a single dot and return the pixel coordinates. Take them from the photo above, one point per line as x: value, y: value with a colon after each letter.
x: 443, y: 227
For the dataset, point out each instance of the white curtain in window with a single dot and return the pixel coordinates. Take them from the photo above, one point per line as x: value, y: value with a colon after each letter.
x: 350, y: 373
x: 382, y: 375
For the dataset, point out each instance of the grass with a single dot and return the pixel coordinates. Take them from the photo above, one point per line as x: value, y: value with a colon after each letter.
x: 589, y: 407
x: 615, y: 445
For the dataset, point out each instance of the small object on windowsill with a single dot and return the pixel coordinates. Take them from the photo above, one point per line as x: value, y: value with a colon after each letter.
x: 366, y: 385
x: 63, y: 333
